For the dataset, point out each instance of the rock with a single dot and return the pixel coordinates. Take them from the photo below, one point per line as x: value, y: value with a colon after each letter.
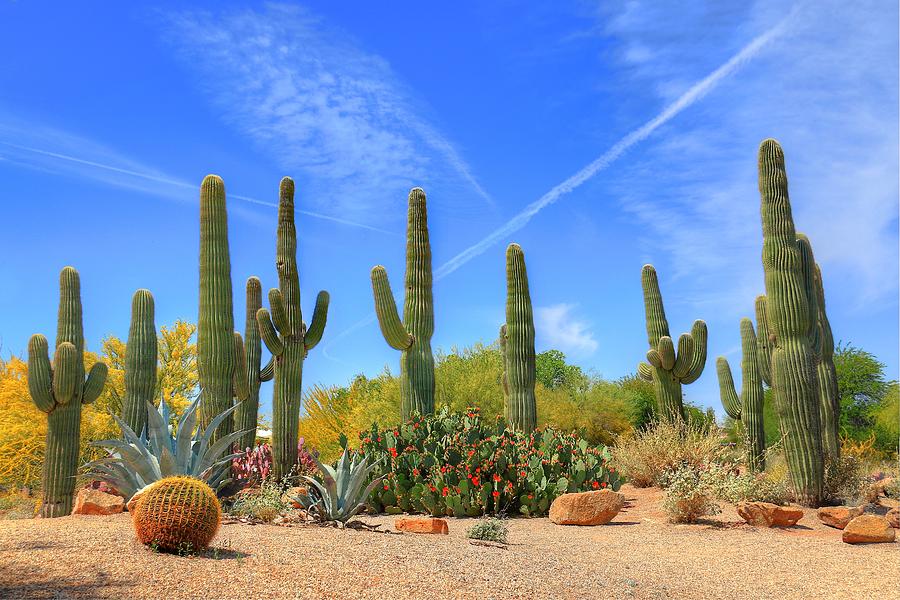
x: 766, y: 514
x: 586, y: 508
x: 95, y: 502
x: 868, y: 529
x: 893, y: 517
x: 422, y: 525
x: 289, y: 496
x: 839, y: 516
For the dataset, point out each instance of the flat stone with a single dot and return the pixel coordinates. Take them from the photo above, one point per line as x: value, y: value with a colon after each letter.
x: 422, y: 525
x: 586, y: 508
x: 94, y: 502
x: 839, y: 516
x: 869, y: 529
x: 766, y: 514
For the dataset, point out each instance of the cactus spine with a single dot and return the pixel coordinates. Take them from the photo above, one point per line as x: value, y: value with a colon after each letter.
x: 215, y: 324
x: 140, y: 362
x: 287, y: 337
x: 829, y: 400
x: 517, y: 345
x: 668, y: 369
x: 748, y: 408
x: 413, y: 335
x: 249, y: 369
x: 59, y: 390
x: 788, y: 329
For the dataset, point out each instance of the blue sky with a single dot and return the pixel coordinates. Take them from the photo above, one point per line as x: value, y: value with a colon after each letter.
x: 599, y: 136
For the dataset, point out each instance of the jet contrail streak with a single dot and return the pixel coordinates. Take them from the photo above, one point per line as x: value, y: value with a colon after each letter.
x: 182, y: 184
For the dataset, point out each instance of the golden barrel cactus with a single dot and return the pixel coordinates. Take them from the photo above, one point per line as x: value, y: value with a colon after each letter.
x: 176, y: 513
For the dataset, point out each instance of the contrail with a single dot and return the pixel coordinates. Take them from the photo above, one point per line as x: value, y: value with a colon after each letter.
x: 695, y: 93
x: 691, y: 96
x: 183, y: 184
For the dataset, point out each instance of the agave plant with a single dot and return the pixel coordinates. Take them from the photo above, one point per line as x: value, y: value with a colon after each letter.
x: 139, y: 460
x: 339, y: 494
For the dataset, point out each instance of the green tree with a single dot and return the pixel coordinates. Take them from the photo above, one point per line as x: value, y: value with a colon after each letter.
x: 862, y: 386
x: 553, y: 372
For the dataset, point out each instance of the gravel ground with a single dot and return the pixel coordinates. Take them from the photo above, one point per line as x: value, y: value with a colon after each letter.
x: 638, y: 555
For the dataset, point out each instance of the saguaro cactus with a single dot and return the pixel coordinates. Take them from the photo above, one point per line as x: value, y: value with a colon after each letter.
x: 249, y: 369
x: 59, y: 390
x: 788, y: 329
x: 829, y: 400
x: 668, y: 369
x: 413, y: 335
x: 215, y: 324
x: 140, y: 362
x: 747, y: 408
x: 287, y: 337
x: 517, y: 344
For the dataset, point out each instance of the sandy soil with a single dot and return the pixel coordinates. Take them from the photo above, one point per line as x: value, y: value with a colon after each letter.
x: 638, y: 555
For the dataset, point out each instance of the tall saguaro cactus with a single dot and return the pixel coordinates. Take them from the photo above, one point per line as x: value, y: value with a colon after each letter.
x: 287, y: 337
x: 140, y: 362
x: 517, y: 345
x: 59, y: 389
x: 668, y: 369
x: 413, y: 335
x: 215, y: 324
x: 748, y: 408
x: 249, y: 369
x: 789, y: 328
x: 829, y: 400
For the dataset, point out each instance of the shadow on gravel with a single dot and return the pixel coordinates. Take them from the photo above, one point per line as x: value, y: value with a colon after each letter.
x: 30, y: 583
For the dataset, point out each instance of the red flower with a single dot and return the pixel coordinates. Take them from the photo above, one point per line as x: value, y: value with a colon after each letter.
x: 523, y: 474
x: 416, y: 472
x: 432, y: 488
x: 474, y: 481
x: 385, y: 486
x: 495, y: 493
x: 393, y: 451
x: 530, y: 496
x: 603, y: 484
x: 497, y: 477
x: 445, y: 491
x: 595, y: 485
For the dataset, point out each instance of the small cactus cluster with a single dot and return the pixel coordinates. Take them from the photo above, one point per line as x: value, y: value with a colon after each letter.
x: 176, y: 514
x: 667, y: 368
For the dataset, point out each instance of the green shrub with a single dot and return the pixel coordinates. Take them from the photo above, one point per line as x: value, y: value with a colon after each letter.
x: 734, y: 487
x: 452, y: 463
x: 491, y: 530
x: 846, y: 480
x: 261, y: 504
x: 647, y: 457
x: 690, y: 494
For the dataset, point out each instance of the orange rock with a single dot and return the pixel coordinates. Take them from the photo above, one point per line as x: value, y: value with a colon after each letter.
x: 868, y: 529
x: 422, y: 525
x: 95, y: 502
x: 289, y: 497
x: 586, y: 508
x: 766, y: 514
x: 893, y: 517
x: 839, y: 516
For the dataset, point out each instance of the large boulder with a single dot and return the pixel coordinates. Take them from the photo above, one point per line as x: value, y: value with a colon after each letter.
x: 839, y: 516
x: 893, y: 517
x: 766, y: 514
x: 95, y: 502
x: 422, y: 525
x: 868, y: 529
x: 586, y: 508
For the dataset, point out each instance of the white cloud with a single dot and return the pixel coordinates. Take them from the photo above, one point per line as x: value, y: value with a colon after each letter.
x: 315, y: 102
x: 557, y: 327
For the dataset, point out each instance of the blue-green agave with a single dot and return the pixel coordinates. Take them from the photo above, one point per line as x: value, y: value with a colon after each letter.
x: 139, y: 460
x: 339, y: 494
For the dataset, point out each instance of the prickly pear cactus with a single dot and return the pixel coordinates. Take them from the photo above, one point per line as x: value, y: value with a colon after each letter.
x: 517, y: 344
x: 59, y: 389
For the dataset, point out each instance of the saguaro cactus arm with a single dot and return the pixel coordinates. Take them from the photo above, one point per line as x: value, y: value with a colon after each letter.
x: 268, y: 371
x: 65, y: 367
x: 268, y: 333
x: 682, y: 364
x: 645, y: 371
x: 730, y: 400
x: 765, y: 340
x: 240, y: 383
x: 93, y: 385
x: 699, y: 335
x: 317, y: 326
x: 657, y: 325
x: 392, y: 328
x: 40, y: 373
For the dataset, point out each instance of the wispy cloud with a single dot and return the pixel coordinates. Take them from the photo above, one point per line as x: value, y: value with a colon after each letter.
x: 318, y: 103
x: 559, y: 327
x: 828, y: 92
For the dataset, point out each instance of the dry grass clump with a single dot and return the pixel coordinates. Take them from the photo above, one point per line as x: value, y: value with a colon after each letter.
x: 262, y: 504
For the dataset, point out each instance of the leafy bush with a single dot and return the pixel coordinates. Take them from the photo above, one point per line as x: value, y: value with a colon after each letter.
x: 453, y: 463
x: 690, y: 494
x: 845, y: 480
x: 491, y: 530
x: 253, y: 466
x: 263, y: 503
x: 647, y: 457
x: 732, y: 486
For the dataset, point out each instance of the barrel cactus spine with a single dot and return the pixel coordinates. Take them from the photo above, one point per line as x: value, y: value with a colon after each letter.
x: 249, y: 369
x: 667, y: 368
x: 790, y: 321
x: 748, y: 407
x: 59, y: 389
x: 177, y: 514
x: 518, y: 345
x: 287, y: 337
x: 215, y: 324
x: 412, y: 336
x: 140, y: 362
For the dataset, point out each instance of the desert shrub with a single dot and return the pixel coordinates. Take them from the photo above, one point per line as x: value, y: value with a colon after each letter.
x: 733, y: 486
x: 263, y: 504
x: 846, y: 480
x: 690, y: 493
x: 647, y: 457
x: 454, y: 463
x: 253, y: 466
x: 491, y: 530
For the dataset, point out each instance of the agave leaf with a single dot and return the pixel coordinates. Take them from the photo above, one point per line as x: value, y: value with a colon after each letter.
x: 222, y: 445
x: 167, y: 464
x: 361, y: 504
x: 143, y: 463
x: 132, y: 438
x: 157, y: 431
x: 184, y: 438
x: 213, y: 425
x: 342, y: 476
